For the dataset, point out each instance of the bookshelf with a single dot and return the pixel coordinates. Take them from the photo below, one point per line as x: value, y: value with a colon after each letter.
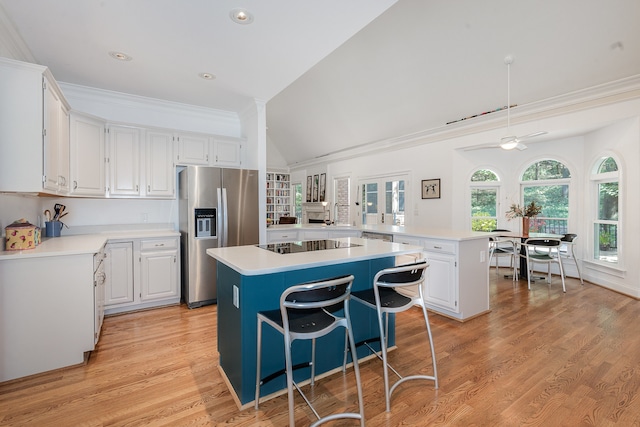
x: 278, y: 196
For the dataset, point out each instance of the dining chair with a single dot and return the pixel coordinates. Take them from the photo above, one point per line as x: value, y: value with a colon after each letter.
x: 503, y: 247
x: 543, y: 251
x: 567, y: 250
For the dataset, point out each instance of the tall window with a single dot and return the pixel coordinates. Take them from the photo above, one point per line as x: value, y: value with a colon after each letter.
x: 484, y: 200
x: 341, y: 212
x: 605, y: 225
x: 547, y: 183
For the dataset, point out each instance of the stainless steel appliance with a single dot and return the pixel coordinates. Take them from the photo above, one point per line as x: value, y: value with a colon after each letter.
x: 217, y: 207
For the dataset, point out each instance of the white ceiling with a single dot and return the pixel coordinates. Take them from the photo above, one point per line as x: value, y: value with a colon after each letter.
x: 417, y: 66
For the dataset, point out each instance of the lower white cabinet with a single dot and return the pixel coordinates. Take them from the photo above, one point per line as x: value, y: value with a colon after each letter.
x: 142, y: 273
x: 457, y: 280
x: 279, y: 236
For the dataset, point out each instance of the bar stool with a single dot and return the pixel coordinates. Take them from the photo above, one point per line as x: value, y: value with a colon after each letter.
x: 385, y: 299
x: 309, y: 311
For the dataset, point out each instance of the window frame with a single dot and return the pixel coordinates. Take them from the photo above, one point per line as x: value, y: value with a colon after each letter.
x: 497, y: 185
x: 596, y: 178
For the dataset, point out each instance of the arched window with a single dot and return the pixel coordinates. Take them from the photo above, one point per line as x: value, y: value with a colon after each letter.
x: 484, y: 200
x: 547, y: 183
x: 605, y: 179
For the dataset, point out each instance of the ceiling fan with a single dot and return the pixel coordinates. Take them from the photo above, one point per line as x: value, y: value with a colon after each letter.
x: 510, y: 141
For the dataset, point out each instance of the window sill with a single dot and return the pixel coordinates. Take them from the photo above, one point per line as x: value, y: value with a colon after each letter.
x: 616, y: 270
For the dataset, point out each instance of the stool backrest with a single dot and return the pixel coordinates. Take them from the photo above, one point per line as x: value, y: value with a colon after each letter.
x: 317, y: 294
x: 569, y: 237
x: 404, y: 275
x: 543, y: 242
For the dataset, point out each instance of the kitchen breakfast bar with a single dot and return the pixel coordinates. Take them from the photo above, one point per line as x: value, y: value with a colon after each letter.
x: 252, y: 278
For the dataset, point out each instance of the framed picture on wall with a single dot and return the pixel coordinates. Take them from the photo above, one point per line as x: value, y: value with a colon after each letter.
x: 315, y: 188
x: 309, y: 188
x: 323, y: 184
x: 431, y: 188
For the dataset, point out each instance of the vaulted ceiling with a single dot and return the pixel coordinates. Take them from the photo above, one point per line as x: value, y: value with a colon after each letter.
x: 336, y: 74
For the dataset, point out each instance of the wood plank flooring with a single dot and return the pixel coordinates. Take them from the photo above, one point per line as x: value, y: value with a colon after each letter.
x: 540, y: 358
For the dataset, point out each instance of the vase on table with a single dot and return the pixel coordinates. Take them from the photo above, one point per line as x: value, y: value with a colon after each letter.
x: 525, y: 226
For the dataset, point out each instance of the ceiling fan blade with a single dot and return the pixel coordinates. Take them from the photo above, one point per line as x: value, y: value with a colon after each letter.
x: 521, y: 146
x: 531, y: 135
x: 481, y: 147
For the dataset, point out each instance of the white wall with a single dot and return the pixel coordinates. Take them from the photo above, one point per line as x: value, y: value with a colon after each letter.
x: 582, y: 136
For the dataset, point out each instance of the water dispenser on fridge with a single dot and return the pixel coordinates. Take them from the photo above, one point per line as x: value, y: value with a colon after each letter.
x: 205, y: 221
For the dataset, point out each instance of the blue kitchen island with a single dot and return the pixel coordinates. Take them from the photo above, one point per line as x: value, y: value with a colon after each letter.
x: 252, y: 278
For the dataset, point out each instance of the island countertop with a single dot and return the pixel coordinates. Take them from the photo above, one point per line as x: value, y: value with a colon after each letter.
x: 253, y: 260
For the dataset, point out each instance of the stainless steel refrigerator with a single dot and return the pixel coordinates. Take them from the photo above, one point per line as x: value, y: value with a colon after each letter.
x: 217, y: 208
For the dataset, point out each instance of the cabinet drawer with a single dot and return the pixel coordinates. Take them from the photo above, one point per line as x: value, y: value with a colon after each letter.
x: 282, y: 236
x: 440, y: 246
x: 147, y: 245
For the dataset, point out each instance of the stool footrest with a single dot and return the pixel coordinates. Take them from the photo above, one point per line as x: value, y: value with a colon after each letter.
x: 281, y: 372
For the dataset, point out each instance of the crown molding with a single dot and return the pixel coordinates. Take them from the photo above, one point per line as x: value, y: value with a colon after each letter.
x: 600, y: 95
x: 11, y: 43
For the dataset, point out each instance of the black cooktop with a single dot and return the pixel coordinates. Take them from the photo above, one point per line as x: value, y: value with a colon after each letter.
x: 306, y: 246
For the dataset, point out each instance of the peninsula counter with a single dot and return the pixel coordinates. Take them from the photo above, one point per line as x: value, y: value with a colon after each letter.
x: 251, y: 279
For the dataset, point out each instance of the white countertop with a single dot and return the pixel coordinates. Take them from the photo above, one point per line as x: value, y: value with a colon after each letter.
x: 426, y: 232
x: 81, y: 243
x: 252, y: 260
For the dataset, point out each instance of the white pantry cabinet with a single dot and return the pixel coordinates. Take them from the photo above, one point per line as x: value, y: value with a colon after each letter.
x: 87, y: 155
x: 457, y: 281
x: 142, y: 273
x: 226, y: 152
x: 24, y: 156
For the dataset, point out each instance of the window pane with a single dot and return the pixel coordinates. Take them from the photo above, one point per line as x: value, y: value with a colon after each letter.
x: 608, y: 165
x: 608, y: 201
x: 554, y: 200
x: 546, y: 169
x: 606, y: 248
x: 483, y: 200
x: 484, y: 175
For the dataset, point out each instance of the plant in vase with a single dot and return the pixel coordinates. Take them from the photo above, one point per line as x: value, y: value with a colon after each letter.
x: 526, y: 213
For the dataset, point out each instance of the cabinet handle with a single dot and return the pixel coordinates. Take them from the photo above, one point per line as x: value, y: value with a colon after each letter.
x: 174, y: 259
x: 437, y: 247
x: 148, y: 189
x: 159, y: 244
x: 75, y: 185
x: 137, y: 189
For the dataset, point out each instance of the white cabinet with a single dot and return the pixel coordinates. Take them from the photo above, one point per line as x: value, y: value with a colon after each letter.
x: 124, y: 160
x: 226, y: 152
x: 56, y: 140
x: 159, y: 170
x: 142, y: 273
x: 279, y: 236
x: 87, y: 155
x: 457, y: 281
x: 23, y: 112
x: 99, y: 286
x: 338, y: 232
x: 193, y: 149
x: 159, y: 269
x: 119, y: 273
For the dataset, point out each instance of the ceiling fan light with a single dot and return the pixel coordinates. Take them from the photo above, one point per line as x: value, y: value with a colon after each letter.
x: 509, y: 145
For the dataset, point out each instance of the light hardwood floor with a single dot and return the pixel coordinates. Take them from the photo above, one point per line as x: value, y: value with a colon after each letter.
x: 540, y: 358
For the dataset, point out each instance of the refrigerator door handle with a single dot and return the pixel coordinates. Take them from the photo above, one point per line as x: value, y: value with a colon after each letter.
x: 219, y: 216
x: 225, y: 220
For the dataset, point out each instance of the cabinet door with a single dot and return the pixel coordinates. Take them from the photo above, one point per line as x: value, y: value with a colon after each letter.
x: 124, y: 161
x: 87, y: 156
x: 226, y: 152
x: 440, y: 285
x: 56, y: 140
x: 193, y: 149
x: 118, y: 265
x: 159, y: 164
x: 158, y: 275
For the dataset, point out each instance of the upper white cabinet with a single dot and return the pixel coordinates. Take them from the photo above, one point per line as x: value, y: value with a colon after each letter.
x: 193, y: 149
x: 124, y: 160
x: 87, y: 155
x: 55, y: 139
x: 23, y: 112
x: 226, y: 152
x: 160, y: 170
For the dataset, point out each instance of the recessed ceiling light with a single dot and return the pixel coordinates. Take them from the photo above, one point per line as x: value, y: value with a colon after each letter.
x: 207, y: 76
x: 241, y: 16
x: 120, y: 56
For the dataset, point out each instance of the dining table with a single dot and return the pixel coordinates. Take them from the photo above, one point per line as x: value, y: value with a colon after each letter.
x: 524, y: 271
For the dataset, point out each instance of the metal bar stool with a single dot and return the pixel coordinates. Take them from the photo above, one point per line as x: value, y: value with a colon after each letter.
x: 309, y: 311
x: 385, y: 299
x: 567, y: 250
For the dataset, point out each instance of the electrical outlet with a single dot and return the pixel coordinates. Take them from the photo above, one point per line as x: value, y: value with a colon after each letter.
x: 236, y: 296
